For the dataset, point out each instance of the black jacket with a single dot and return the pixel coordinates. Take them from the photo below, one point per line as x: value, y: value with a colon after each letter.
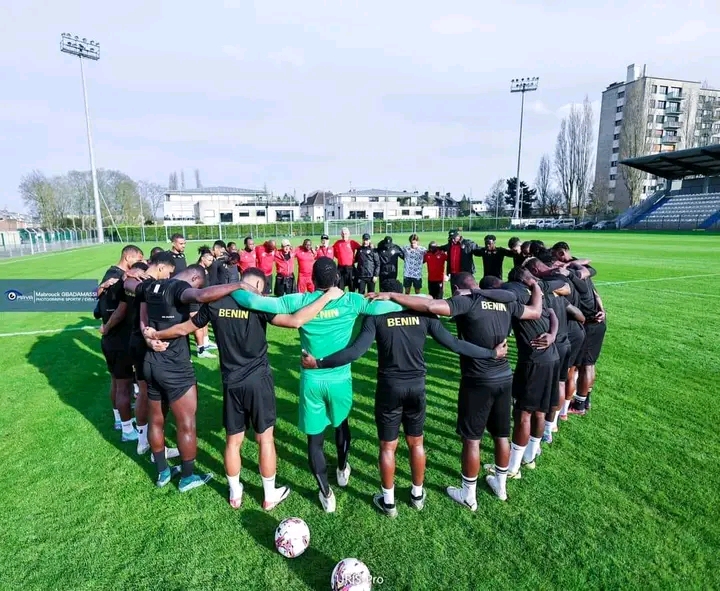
x: 389, y: 255
x: 467, y: 263
x: 367, y: 261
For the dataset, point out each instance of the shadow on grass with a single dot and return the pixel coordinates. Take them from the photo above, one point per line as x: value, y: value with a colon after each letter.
x: 313, y: 567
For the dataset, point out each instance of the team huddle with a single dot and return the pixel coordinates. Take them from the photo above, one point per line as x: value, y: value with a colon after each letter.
x: 549, y: 304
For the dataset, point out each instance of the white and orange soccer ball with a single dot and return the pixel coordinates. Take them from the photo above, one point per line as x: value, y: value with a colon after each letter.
x: 350, y: 575
x: 292, y: 537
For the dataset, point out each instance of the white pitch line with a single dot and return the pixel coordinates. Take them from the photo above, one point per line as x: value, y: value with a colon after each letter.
x: 42, y: 255
x: 680, y: 293
x: 33, y: 332
x: 607, y: 283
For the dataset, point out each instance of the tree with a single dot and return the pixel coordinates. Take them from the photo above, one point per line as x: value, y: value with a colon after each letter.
x: 152, y: 194
x: 542, y: 183
x: 198, y: 184
x: 635, y: 140
x: 173, y: 183
x: 465, y: 207
x: 182, y: 180
x: 495, y: 199
x: 554, y: 203
x: 527, y: 196
x: 38, y: 194
x: 573, y: 155
x: 688, y: 122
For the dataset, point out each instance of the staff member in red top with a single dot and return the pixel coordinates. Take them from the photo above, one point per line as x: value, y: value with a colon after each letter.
x: 344, y: 250
x: 265, y: 257
x: 285, y: 269
x: 324, y: 250
x: 460, y: 255
x: 247, y: 255
x: 305, y: 256
x: 435, y: 259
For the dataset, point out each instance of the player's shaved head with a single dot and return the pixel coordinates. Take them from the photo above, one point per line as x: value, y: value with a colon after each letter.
x: 490, y: 282
x: 163, y: 258
x: 465, y: 280
x: 140, y: 265
x: 155, y: 250
x: 519, y: 275
x: 255, y: 278
x: 194, y: 275
x: 325, y: 273
x: 392, y: 286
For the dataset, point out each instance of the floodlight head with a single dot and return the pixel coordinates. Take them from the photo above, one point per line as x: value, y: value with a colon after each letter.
x: 79, y: 47
x: 524, y: 84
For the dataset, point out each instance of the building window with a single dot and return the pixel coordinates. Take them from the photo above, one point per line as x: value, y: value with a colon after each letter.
x: 621, y: 94
x: 260, y: 213
x: 676, y: 90
x: 377, y: 199
x: 246, y: 214
x: 618, y: 110
x: 651, y: 104
x: 612, y: 177
x: 226, y: 218
x: 613, y: 163
x: 357, y: 214
x: 378, y: 215
x: 404, y: 212
x: 654, y: 88
x: 661, y: 104
x: 650, y: 120
x: 656, y: 132
x: 615, y: 151
x: 663, y: 90
x: 419, y: 211
x: 660, y: 119
x: 615, y: 137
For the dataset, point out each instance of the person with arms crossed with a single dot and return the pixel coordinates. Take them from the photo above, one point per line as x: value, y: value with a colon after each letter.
x: 368, y: 266
x: 460, y: 255
x: 305, y: 256
x: 248, y: 386
x: 400, y: 389
x: 325, y: 395
x: 344, y: 251
x: 389, y: 254
x: 247, y: 255
x: 265, y: 258
x: 414, y: 255
x: 169, y: 374
x: 285, y: 269
x: 484, y: 397
x: 435, y: 259
x: 493, y: 257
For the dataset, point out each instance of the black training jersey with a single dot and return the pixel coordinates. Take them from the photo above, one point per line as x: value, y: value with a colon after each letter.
x: 485, y: 323
x: 240, y: 336
x: 165, y: 309
x: 117, y: 338
x: 212, y: 274
x: 586, y: 292
x: 132, y: 315
x: 400, y: 339
x: 493, y: 260
x: 527, y: 330
x: 557, y: 304
x: 180, y: 262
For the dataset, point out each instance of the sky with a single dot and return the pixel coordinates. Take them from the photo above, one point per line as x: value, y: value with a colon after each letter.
x: 327, y: 95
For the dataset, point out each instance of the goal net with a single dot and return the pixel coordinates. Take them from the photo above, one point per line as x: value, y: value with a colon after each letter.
x: 356, y: 227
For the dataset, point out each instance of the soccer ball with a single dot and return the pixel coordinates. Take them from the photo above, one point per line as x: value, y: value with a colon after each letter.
x: 350, y: 575
x: 292, y: 537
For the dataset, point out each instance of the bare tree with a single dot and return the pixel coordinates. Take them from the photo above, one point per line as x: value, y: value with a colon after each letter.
x: 598, y: 200
x: 198, y: 184
x: 495, y: 199
x: 173, y: 182
x: 152, y: 194
x: 182, y: 180
x: 564, y: 165
x: 555, y: 202
x: 583, y: 149
x: 688, y: 124
x: 38, y: 194
x: 635, y: 140
x: 542, y: 183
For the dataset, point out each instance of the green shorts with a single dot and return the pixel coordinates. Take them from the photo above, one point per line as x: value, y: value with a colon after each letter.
x: 325, y: 399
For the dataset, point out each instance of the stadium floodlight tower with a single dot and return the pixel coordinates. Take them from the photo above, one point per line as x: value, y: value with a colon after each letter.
x: 83, y: 48
x: 521, y: 85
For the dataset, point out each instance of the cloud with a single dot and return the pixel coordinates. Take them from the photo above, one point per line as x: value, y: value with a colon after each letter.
x: 687, y: 33
x: 234, y: 51
x: 288, y: 55
x: 539, y: 108
x: 458, y: 24
x: 564, y: 111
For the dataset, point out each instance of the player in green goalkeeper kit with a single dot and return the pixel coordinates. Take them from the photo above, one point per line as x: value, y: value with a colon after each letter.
x: 325, y: 394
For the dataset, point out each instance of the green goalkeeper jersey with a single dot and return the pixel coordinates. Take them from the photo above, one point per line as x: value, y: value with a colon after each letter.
x: 331, y: 330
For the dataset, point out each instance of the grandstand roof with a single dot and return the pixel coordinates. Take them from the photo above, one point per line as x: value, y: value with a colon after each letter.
x: 683, y: 163
x: 215, y: 191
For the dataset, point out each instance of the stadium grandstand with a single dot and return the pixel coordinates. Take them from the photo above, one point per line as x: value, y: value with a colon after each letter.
x: 690, y: 197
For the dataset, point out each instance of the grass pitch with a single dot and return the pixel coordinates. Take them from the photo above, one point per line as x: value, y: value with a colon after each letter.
x: 626, y: 497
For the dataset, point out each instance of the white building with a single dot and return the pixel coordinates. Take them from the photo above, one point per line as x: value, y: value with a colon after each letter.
x: 312, y: 208
x: 678, y: 114
x: 378, y: 204
x: 227, y: 205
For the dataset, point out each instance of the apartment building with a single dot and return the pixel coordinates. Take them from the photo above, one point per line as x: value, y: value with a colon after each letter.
x: 677, y: 114
x: 380, y: 204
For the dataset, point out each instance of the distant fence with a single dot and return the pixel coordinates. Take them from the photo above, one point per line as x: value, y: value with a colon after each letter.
x: 236, y: 232
x: 677, y: 222
x: 24, y: 242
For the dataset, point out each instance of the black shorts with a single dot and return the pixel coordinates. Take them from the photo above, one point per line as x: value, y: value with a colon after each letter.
x: 268, y: 285
x: 398, y: 402
x: 594, y: 337
x: 168, y: 383
x: 409, y: 282
x: 533, y: 385
x: 347, y: 275
x: 250, y: 401
x: 137, y: 354
x: 119, y: 362
x: 483, y: 405
x: 577, y: 341
x: 285, y: 284
x: 565, y: 351
x: 435, y: 289
x: 365, y: 285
